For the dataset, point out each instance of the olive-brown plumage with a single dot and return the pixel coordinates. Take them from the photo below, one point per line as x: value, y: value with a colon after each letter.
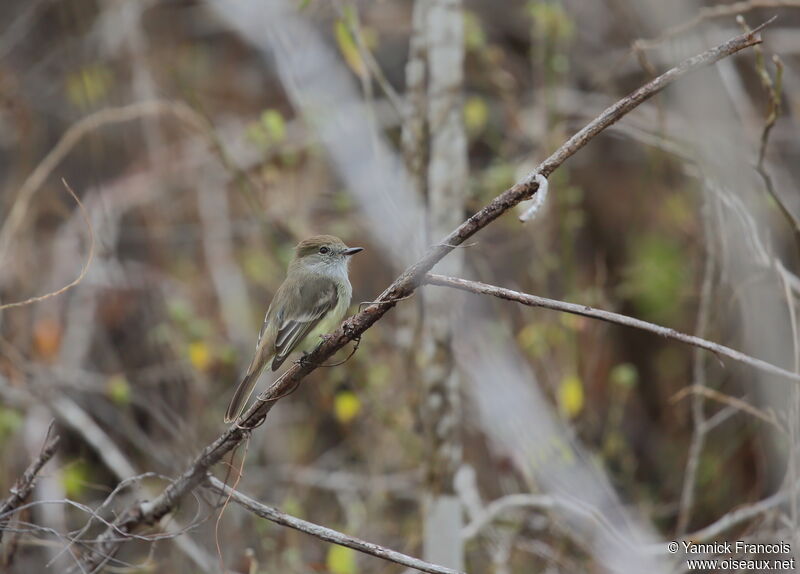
x: 311, y: 301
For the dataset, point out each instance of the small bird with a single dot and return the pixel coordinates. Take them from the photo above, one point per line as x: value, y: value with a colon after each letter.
x: 310, y: 302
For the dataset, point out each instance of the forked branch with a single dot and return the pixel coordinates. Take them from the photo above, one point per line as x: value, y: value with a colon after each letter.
x: 608, y: 316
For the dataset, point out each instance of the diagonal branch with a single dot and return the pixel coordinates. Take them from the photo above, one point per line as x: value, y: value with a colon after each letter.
x: 324, y: 533
x: 608, y: 316
x: 25, y: 483
x: 149, y: 513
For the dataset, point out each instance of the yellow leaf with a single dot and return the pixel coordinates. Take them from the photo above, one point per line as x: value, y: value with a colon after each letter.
x: 346, y: 406
x: 199, y: 355
x: 570, y: 396
x: 476, y: 115
x: 347, y: 45
x: 89, y: 86
x: 341, y: 560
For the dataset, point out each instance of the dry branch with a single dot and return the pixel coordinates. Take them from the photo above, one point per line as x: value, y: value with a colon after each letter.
x: 713, y: 12
x: 76, y: 132
x: 84, y: 269
x: 608, y: 316
x: 149, y: 513
x: 739, y: 516
x: 324, y: 533
x: 25, y: 483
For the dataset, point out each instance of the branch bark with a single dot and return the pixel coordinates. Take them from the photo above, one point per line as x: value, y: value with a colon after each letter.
x: 324, y: 533
x: 608, y: 316
x: 24, y: 485
x: 149, y: 513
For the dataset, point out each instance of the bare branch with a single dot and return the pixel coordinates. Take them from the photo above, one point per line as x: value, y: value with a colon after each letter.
x: 76, y: 132
x: 84, y: 270
x: 149, y: 513
x: 736, y: 403
x: 25, y: 483
x: 324, y: 533
x: 699, y: 377
x: 738, y: 516
x: 608, y: 316
x: 713, y: 12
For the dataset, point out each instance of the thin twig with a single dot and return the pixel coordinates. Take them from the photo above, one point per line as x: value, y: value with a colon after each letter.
x: 700, y: 429
x: 350, y: 17
x: 239, y: 474
x: 76, y: 132
x: 25, y: 483
x: 738, y: 404
x: 152, y: 511
x: 774, y: 90
x: 713, y: 12
x: 738, y: 516
x: 84, y: 270
x: 324, y: 533
x: 586, y: 311
x: 533, y: 501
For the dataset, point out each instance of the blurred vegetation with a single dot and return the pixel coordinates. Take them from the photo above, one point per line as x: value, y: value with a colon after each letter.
x: 146, y: 345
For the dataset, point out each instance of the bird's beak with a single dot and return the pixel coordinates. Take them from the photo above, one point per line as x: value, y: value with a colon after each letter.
x: 352, y: 250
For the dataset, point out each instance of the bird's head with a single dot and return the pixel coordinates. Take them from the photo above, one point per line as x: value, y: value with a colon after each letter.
x: 323, y: 251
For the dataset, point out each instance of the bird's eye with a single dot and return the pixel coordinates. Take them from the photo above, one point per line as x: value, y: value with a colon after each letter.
x: 323, y: 250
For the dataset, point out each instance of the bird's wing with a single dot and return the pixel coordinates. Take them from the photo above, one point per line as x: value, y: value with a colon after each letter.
x: 294, y: 327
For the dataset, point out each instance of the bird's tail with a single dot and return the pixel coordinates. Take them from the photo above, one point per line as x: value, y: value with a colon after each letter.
x: 241, y: 395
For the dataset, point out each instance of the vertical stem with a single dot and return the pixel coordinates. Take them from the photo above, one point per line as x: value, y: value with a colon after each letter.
x: 436, y: 154
x: 794, y: 410
x: 698, y: 376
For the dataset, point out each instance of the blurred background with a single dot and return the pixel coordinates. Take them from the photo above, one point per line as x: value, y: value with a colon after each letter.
x: 205, y: 139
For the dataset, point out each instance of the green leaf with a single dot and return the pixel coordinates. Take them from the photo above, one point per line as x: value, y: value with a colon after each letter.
x: 74, y: 478
x: 275, y: 126
x: 551, y: 20
x: 348, y: 48
x: 119, y: 390
x: 532, y: 339
x: 656, y: 277
x: 474, y: 36
x: 10, y: 421
x: 624, y: 375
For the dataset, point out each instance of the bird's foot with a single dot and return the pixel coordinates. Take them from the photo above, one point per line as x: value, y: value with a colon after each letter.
x: 303, y: 360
